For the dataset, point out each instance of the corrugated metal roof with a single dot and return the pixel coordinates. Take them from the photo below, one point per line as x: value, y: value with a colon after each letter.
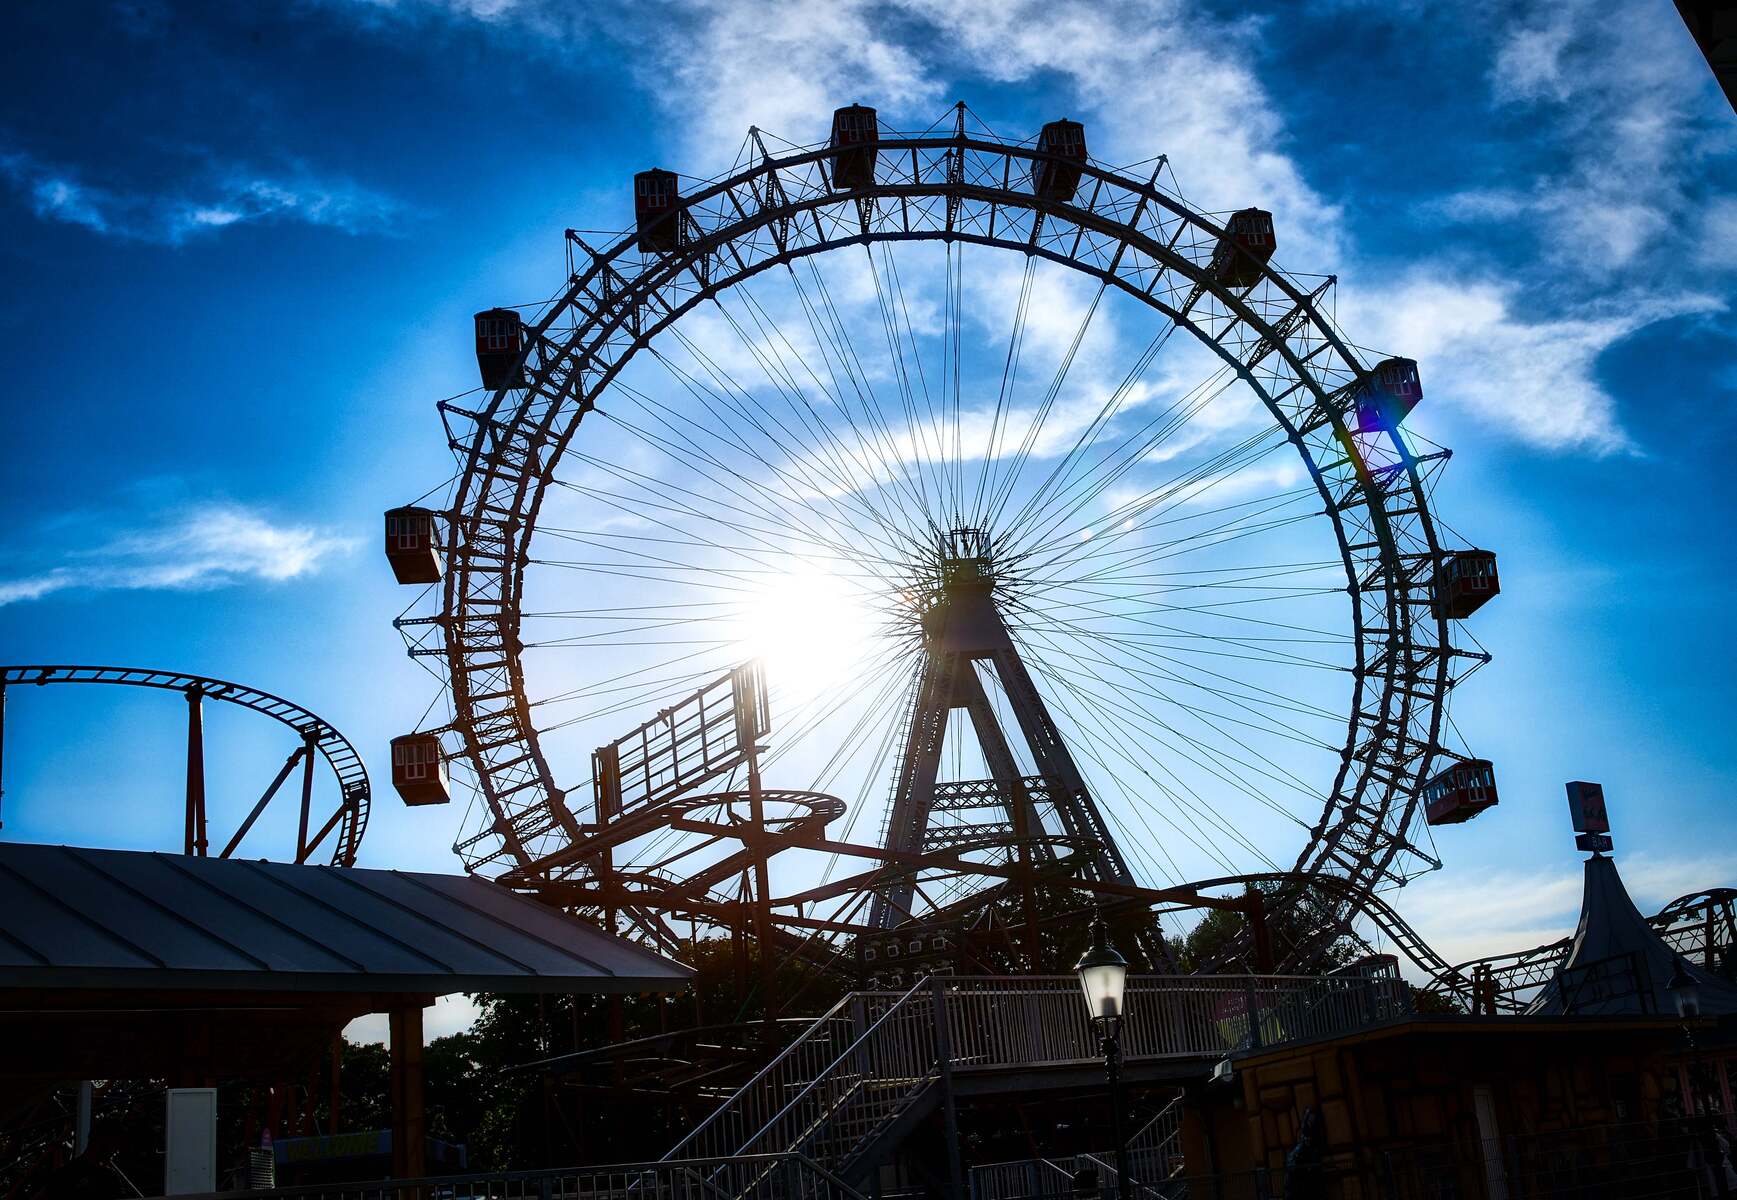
x: 79, y: 918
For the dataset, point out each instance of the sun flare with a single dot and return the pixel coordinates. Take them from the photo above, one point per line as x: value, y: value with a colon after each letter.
x: 812, y: 628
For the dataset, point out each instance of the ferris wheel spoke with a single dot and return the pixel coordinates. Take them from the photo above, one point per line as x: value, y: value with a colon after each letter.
x: 1057, y: 482
x: 920, y: 427
x: 1166, y: 664
x: 1004, y: 394
x: 1122, y: 457
x: 1028, y: 443
x: 1255, y: 652
x: 1058, y: 541
x: 651, y: 498
x: 1146, y: 683
x: 1214, y: 761
x: 1120, y: 546
x: 835, y: 342
x: 844, y: 461
x: 780, y: 516
x: 839, y: 488
x: 1089, y: 716
x: 835, y: 490
x: 787, y: 502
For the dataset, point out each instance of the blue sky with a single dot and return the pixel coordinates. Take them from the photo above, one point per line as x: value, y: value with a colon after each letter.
x: 244, y: 243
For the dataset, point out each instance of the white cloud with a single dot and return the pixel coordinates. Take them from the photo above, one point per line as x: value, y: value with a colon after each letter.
x: 1620, y: 113
x: 1535, y: 379
x: 230, y: 196
x: 205, y: 547
x: 1471, y: 914
x: 1614, y: 96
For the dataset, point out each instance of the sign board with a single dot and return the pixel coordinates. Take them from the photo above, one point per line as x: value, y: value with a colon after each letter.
x: 1586, y: 806
x: 190, y: 1141
x: 694, y: 740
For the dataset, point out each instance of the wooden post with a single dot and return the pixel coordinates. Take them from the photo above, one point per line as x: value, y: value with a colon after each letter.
x: 408, y: 1124
x: 337, y: 1092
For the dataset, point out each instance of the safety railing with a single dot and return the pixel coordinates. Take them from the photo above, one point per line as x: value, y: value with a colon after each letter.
x: 1024, y: 1178
x: 865, y: 1036
x: 743, y: 1177
x: 853, y: 1072
x: 997, y: 1021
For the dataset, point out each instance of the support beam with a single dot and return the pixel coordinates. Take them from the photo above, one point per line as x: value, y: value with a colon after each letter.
x: 195, y: 841
x: 289, y: 765
x: 409, y: 1132
x: 309, y: 742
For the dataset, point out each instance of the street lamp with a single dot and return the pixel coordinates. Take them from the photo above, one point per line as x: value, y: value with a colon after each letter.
x: 1104, y: 979
x: 1685, y: 992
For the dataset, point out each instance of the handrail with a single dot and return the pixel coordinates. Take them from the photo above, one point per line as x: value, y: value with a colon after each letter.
x: 820, y: 1023
x: 496, y: 1184
x: 848, y: 1079
x: 868, y: 1033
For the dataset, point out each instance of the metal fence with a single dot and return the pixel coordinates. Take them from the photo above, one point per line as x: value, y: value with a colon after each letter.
x: 743, y: 1177
x: 873, y: 1054
x: 1672, y: 1160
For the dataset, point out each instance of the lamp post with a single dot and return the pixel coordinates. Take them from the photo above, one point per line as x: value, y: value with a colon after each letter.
x: 1685, y: 993
x: 1104, y: 979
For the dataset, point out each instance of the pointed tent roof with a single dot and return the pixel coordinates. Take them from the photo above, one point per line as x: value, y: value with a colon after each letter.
x: 1618, y: 964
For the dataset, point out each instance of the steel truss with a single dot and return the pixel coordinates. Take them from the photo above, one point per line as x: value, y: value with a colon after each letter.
x: 967, y: 188
x: 317, y: 737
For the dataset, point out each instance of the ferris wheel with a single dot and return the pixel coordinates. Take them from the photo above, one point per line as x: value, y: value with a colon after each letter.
x: 905, y: 419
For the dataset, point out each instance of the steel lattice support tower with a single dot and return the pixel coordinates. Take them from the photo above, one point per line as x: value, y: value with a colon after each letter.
x: 961, y: 628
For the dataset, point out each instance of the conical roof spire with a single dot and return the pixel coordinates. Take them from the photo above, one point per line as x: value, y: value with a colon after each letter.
x: 1618, y: 964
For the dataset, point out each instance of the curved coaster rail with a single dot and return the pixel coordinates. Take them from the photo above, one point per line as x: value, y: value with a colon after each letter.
x: 347, y: 820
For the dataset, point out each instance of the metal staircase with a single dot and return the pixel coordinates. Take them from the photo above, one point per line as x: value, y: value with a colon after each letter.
x: 845, y: 1093
x: 840, y: 1093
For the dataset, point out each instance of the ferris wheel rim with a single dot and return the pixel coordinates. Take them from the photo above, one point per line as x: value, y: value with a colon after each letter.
x: 631, y: 290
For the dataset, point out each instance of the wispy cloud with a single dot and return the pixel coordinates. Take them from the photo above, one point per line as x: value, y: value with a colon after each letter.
x: 1470, y: 914
x: 1535, y: 379
x: 222, y: 197
x: 195, y: 549
x: 1606, y: 181
x: 1619, y: 111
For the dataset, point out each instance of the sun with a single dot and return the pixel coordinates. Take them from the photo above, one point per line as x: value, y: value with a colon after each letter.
x: 812, y: 627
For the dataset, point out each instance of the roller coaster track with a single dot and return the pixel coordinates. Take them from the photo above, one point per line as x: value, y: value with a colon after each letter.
x: 351, y: 815
x: 1703, y: 923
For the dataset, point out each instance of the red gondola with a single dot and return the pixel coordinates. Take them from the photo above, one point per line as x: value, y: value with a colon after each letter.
x: 1058, y: 181
x: 657, y: 207
x: 1247, y: 244
x: 500, y: 348
x: 1387, y: 394
x: 410, y: 545
x: 854, y: 132
x: 419, y: 769
x: 1460, y: 793
x: 1464, y: 582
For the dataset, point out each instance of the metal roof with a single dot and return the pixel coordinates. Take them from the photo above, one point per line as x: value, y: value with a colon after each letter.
x: 79, y: 918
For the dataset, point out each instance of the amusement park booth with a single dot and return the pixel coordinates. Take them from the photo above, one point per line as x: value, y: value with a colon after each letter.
x: 128, y: 965
x: 1605, y: 1080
